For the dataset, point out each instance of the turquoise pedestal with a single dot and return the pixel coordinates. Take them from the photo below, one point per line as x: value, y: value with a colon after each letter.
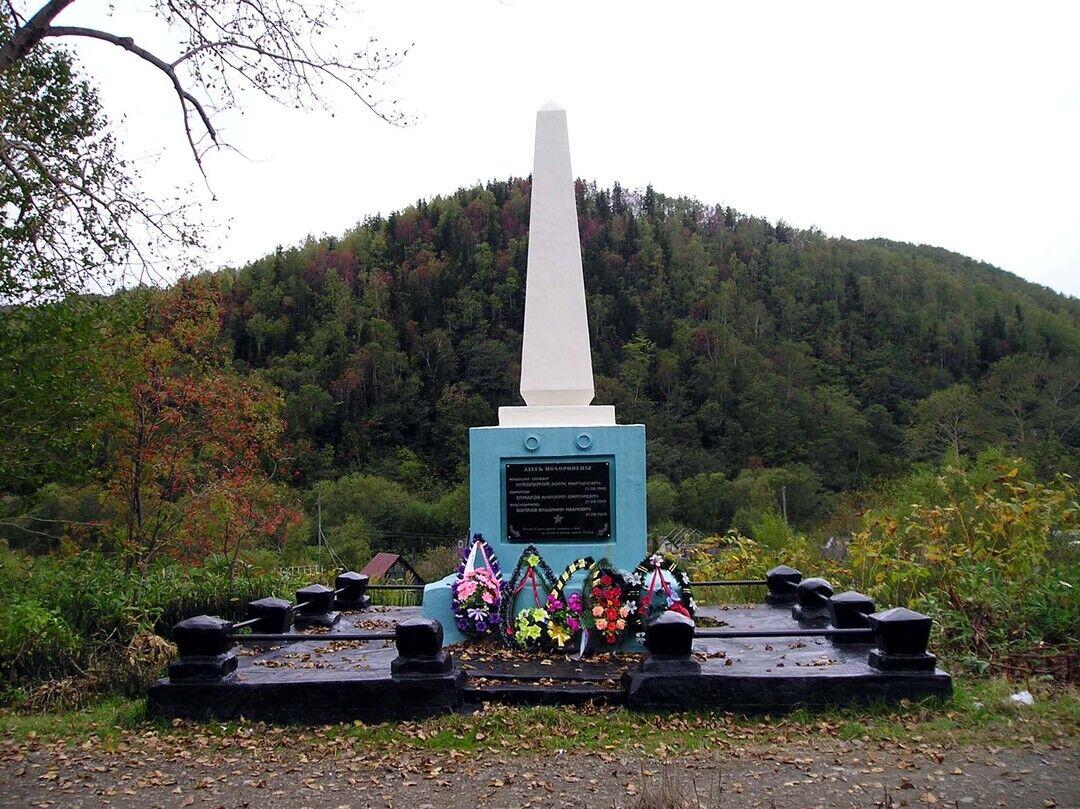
x: 493, y: 449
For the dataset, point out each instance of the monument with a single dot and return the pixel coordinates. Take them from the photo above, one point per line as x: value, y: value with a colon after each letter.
x: 558, y: 473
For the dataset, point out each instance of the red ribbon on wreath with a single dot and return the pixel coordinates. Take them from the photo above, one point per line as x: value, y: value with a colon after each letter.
x: 656, y: 574
x: 529, y: 577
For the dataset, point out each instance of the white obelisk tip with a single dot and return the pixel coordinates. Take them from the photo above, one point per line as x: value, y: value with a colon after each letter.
x: 552, y: 106
x: 556, y: 358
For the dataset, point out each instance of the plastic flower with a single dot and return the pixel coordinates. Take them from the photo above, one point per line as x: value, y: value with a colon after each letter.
x: 624, y: 610
x: 466, y: 589
x: 575, y: 602
x: 533, y: 560
x: 597, y: 611
x: 477, y: 614
x: 601, y: 624
x: 558, y: 633
x: 620, y: 624
x: 488, y: 596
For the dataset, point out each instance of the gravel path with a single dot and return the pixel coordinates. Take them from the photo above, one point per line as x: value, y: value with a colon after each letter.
x: 339, y: 774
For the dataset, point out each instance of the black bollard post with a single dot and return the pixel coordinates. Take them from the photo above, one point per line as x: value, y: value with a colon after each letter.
x: 205, y: 650
x: 353, y: 595
x: 419, y: 644
x: 272, y: 616
x: 315, y: 607
x: 812, y: 596
x: 782, y: 582
x: 670, y: 641
x: 851, y: 610
x: 901, y: 636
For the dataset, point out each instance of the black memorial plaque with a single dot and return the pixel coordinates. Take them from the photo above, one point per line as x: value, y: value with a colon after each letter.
x: 556, y: 501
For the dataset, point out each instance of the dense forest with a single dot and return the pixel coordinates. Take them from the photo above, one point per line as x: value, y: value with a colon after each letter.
x: 342, y: 376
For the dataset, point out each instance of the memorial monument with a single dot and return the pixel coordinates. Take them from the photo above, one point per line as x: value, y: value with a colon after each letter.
x: 558, y: 473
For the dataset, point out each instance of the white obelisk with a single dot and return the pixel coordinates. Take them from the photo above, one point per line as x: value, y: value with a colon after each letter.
x: 556, y: 355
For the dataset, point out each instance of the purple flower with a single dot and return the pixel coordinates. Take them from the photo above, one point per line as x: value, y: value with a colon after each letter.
x: 575, y: 602
x: 481, y: 626
x: 462, y: 624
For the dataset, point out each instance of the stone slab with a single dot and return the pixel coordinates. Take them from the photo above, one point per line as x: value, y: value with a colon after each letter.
x: 318, y: 682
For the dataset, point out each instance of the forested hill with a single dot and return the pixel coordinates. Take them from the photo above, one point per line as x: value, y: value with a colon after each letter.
x: 739, y: 343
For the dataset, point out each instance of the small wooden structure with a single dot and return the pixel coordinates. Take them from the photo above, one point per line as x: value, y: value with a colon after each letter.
x: 390, y: 567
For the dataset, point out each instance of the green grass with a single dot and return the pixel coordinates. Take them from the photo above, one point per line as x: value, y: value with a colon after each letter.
x: 979, y: 713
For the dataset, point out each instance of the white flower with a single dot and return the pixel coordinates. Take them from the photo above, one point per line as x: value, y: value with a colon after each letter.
x: 656, y: 559
x: 633, y: 579
x: 693, y: 605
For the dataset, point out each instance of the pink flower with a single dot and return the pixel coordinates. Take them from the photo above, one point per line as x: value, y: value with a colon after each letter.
x: 620, y: 624
x: 601, y: 624
x: 466, y: 589
x: 624, y: 611
x: 597, y: 611
x: 488, y: 597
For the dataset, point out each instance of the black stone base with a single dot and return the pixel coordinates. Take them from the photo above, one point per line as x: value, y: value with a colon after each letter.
x: 323, y: 619
x: 203, y: 667
x: 887, y: 662
x: 810, y: 618
x: 442, y: 663
x: 352, y: 606
x: 758, y: 694
x: 309, y: 701
x: 655, y: 664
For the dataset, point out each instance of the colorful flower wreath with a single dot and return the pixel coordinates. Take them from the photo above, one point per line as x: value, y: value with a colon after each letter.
x: 607, y: 612
x: 530, y: 572
x: 657, y: 594
x: 565, y: 613
x: 477, y: 593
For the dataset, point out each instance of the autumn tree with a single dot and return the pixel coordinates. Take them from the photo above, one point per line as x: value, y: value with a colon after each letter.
x: 197, y: 448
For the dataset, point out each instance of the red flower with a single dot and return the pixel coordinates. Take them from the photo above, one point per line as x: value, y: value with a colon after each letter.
x: 605, y: 580
x: 611, y: 639
x: 611, y: 615
x: 596, y: 592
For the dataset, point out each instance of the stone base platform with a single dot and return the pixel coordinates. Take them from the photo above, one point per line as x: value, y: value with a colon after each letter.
x: 337, y: 681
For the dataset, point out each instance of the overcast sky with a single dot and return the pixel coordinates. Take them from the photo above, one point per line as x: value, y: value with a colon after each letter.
x: 950, y: 124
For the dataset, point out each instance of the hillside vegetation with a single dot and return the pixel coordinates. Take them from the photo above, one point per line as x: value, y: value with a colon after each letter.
x: 761, y: 358
x: 165, y: 452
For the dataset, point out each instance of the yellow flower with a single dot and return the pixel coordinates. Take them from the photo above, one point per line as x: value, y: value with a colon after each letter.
x: 558, y: 633
x: 533, y: 560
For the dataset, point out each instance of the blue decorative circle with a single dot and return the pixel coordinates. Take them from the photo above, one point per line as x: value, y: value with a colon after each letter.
x: 532, y: 442
x: 584, y: 441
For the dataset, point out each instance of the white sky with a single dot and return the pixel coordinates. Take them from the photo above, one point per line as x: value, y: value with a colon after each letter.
x: 953, y: 124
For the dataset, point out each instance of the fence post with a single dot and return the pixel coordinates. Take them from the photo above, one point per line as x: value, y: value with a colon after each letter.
x: 901, y: 636
x: 812, y: 596
x: 353, y: 587
x: 315, y: 607
x: 670, y: 641
x: 782, y: 582
x: 419, y: 644
x: 851, y: 610
x: 273, y: 615
x: 205, y: 649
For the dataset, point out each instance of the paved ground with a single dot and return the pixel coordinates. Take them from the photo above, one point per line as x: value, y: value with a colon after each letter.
x: 241, y: 773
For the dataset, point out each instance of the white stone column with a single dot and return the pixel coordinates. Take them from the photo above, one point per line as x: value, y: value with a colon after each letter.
x: 556, y: 355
